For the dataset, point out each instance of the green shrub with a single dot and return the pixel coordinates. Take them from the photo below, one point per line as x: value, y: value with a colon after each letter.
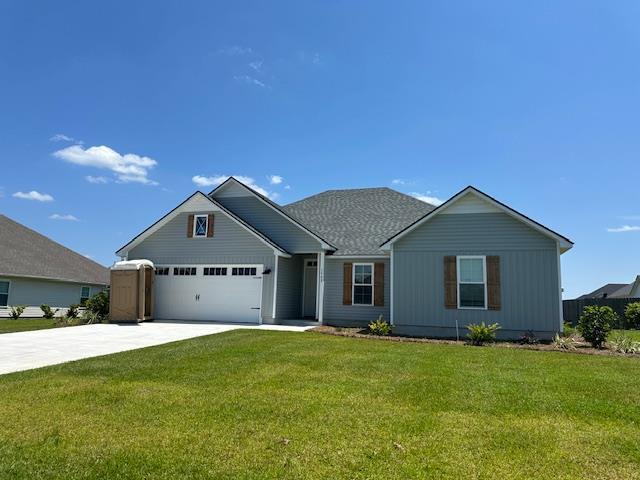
x: 564, y: 343
x: 16, y: 311
x: 73, y: 311
x: 568, y: 330
x: 379, y: 327
x: 89, y: 317
x: 99, y: 304
x: 623, y: 343
x: 632, y: 315
x: 596, y: 323
x: 479, y: 334
x: 48, y: 312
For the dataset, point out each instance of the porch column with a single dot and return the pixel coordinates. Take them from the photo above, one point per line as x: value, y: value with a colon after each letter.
x: 320, y: 296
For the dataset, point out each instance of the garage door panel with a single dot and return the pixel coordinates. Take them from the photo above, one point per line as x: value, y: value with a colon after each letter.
x: 224, y: 298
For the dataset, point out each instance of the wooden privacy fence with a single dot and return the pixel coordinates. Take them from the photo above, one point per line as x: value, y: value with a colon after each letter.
x: 573, y: 308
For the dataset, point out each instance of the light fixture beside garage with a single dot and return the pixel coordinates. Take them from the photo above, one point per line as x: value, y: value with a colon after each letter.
x: 267, y: 271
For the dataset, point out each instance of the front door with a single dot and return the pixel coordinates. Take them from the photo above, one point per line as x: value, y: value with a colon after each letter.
x: 309, y: 288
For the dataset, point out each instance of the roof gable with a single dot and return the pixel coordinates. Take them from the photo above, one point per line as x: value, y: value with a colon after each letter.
x: 198, y: 202
x: 27, y: 253
x: 480, y: 202
x: 233, y: 187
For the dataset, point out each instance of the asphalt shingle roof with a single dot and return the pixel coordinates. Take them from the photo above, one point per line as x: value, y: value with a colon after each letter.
x: 25, y: 252
x: 357, y: 221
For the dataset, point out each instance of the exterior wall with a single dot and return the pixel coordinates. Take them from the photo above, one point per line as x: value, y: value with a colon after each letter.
x: 528, y: 273
x: 289, y: 294
x: 279, y: 229
x: 33, y: 292
x: 230, y: 244
x: 337, y: 314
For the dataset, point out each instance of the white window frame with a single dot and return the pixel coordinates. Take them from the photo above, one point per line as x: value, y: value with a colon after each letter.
x: 8, y: 282
x: 353, y: 284
x: 206, y: 225
x: 484, y: 279
x: 81, y: 297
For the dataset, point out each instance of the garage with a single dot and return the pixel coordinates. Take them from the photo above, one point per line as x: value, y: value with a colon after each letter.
x: 224, y: 293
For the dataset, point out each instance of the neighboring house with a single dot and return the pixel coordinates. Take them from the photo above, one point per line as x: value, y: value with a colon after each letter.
x: 616, y: 290
x: 35, y: 270
x: 344, y: 257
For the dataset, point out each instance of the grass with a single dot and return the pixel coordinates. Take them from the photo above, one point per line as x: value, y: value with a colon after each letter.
x: 8, y: 325
x: 634, y: 334
x: 250, y: 404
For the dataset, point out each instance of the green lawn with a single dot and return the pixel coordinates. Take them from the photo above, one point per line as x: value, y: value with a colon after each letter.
x: 635, y: 334
x: 249, y: 404
x: 8, y: 325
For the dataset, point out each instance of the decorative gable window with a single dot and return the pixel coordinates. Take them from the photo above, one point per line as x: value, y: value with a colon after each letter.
x: 200, y: 226
x: 363, y: 283
x: 472, y: 282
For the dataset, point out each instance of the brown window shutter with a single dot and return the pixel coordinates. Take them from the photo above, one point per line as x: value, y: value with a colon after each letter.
x: 378, y: 287
x: 347, y: 282
x: 450, y: 282
x: 493, y: 283
x: 190, y: 226
x: 210, y: 226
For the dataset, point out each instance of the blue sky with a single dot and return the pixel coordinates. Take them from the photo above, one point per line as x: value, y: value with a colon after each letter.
x: 106, y: 105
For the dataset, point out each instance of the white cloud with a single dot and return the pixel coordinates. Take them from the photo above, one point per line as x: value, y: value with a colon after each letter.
x: 33, y: 195
x: 427, y: 198
x: 127, y: 168
x: 275, y: 179
x: 235, y: 50
x: 250, y: 80
x: 287, y: 187
x: 216, y: 180
x: 630, y: 217
x: 61, y: 137
x: 257, y: 65
x: 625, y: 228
x: 398, y: 181
x: 67, y: 217
x: 92, y: 179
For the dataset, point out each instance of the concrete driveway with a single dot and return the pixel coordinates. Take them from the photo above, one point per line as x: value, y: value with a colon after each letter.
x: 27, y: 350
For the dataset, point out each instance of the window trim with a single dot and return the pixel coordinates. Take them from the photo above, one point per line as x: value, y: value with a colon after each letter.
x: 8, y: 282
x: 484, y: 279
x: 195, y: 224
x: 81, y: 297
x: 353, y: 284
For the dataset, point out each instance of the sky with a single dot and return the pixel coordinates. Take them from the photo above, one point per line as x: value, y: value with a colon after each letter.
x: 112, y: 113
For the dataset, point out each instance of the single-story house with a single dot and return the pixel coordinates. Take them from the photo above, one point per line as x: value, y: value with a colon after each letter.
x: 35, y: 270
x: 345, y: 257
x: 616, y: 290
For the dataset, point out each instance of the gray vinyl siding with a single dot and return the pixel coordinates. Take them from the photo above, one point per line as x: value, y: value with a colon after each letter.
x: 289, y: 294
x: 528, y: 271
x: 337, y: 314
x: 278, y: 228
x: 34, y: 292
x: 230, y: 244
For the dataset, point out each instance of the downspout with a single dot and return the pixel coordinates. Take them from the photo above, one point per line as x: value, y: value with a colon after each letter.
x: 321, y: 262
x: 560, y: 288
x: 391, y: 287
x: 275, y: 287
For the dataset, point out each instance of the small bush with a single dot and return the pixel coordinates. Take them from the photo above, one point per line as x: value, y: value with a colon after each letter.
x: 89, y: 317
x: 564, y: 343
x: 379, y: 327
x: 99, y: 304
x: 528, y: 338
x: 596, y: 323
x: 48, y: 312
x: 623, y: 343
x: 16, y: 311
x: 632, y: 315
x: 479, y: 334
x: 73, y: 311
x: 569, y: 330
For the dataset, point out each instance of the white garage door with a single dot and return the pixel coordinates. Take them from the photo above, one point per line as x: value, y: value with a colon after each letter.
x: 224, y: 293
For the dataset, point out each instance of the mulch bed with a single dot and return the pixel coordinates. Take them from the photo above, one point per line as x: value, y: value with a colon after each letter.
x: 581, y: 347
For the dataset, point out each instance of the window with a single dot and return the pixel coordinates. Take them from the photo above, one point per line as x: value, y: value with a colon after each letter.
x: 363, y: 284
x: 4, y: 294
x: 243, y: 271
x: 200, y: 225
x: 184, y: 271
x: 162, y: 271
x: 85, y: 293
x: 472, y: 282
x: 215, y: 271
